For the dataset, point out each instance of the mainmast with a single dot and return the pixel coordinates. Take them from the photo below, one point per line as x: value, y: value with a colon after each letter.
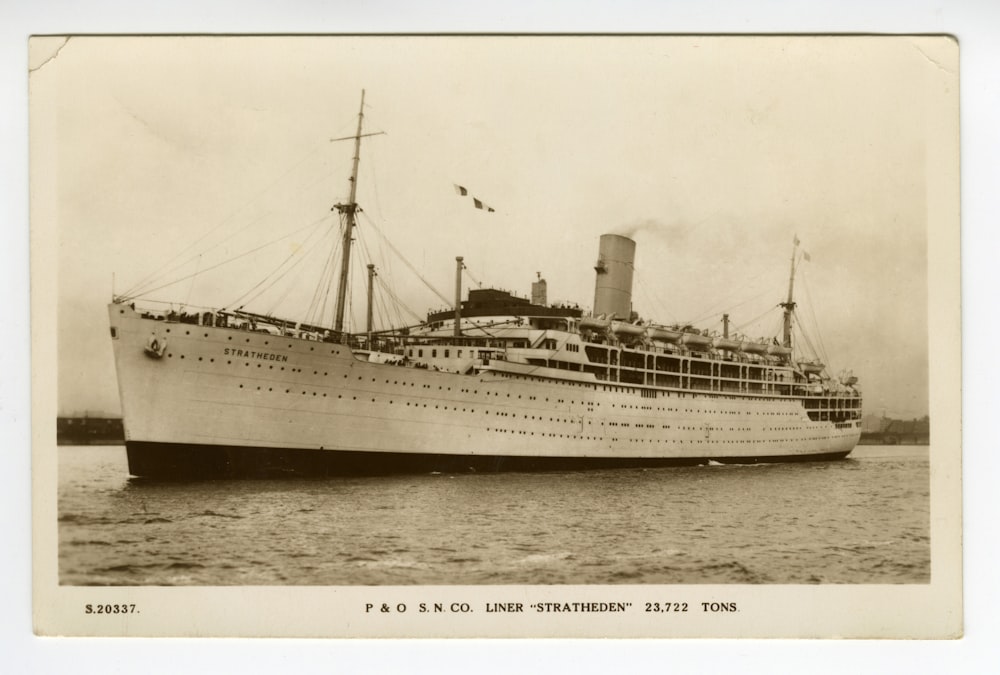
x: 349, y: 210
x: 789, y: 305
x: 458, y: 296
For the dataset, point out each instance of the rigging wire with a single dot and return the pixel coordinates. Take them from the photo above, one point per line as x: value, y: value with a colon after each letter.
x: 378, y: 319
x: 382, y: 312
x: 397, y: 308
x: 820, y: 352
x: 349, y: 326
x: 187, y: 300
x: 135, y: 290
x: 656, y: 300
x: 398, y: 303
x: 815, y: 320
x: 465, y: 269
x: 139, y: 289
x: 777, y: 325
x: 316, y: 311
x: 743, y: 326
x: 280, y: 300
x: 385, y: 267
x: 807, y: 339
x: 372, y: 175
x: 720, y: 306
x: 413, y: 269
x: 246, y: 298
x: 733, y: 307
x: 229, y: 260
x: 367, y: 257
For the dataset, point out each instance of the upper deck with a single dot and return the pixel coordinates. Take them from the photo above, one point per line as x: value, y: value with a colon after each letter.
x: 554, y: 347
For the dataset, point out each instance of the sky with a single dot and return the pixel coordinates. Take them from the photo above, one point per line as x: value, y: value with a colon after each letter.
x: 176, y: 154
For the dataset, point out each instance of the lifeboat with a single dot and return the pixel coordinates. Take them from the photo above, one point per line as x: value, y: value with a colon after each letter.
x: 779, y: 350
x: 594, y: 322
x: 696, y: 340
x: 664, y: 334
x: 811, y: 367
x: 847, y: 378
x: 725, y: 343
x: 623, y: 328
x: 754, y: 347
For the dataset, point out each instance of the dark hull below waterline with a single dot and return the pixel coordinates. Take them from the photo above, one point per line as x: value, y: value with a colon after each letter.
x: 176, y: 461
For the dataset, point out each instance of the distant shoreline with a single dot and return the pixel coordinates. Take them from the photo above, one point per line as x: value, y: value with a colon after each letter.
x: 89, y: 431
x: 89, y: 443
x: 875, y: 442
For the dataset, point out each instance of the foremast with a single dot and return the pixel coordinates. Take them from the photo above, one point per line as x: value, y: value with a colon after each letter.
x: 349, y: 211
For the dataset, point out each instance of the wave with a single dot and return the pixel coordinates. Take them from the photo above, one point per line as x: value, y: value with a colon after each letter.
x: 127, y: 567
x: 82, y: 519
x: 734, y: 569
x: 545, y: 558
x: 89, y: 542
x: 215, y: 514
x: 393, y: 563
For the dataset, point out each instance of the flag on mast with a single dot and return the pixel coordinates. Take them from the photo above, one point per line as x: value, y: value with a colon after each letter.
x: 476, y: 201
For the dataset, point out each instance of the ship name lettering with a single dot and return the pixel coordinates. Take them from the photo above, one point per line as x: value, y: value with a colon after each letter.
x: 580, y: 606
x: 263, y: 356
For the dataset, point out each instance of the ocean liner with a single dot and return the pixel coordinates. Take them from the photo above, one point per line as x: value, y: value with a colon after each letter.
x: 496, y: 383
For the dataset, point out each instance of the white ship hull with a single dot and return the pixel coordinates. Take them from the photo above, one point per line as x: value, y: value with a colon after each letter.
x: 227, y: 402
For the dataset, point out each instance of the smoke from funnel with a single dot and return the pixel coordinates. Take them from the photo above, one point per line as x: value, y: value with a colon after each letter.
x: 632, y: 229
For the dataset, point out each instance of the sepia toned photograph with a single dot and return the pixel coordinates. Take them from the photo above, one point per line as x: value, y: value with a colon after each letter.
x: 497, y: 335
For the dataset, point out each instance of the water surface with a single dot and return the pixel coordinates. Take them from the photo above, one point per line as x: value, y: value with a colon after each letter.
x: 859, y: 521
